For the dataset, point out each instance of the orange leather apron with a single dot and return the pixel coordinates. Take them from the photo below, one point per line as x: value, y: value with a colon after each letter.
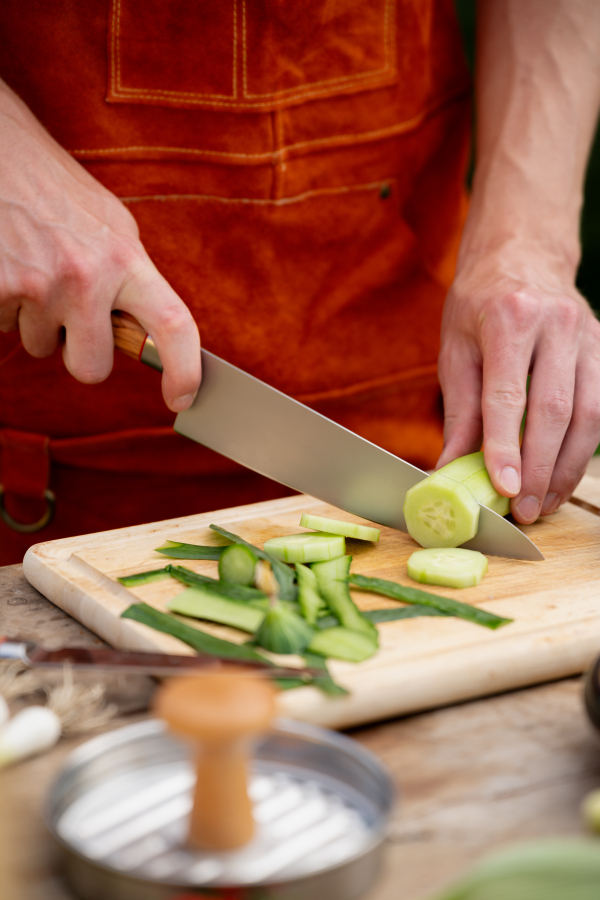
x: 296, y: 170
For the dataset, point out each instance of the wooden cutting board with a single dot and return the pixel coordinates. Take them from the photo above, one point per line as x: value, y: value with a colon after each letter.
x: 422, y: 662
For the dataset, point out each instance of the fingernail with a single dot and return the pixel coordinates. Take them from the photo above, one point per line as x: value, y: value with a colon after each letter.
x: 550, y: 503
x: 181, y: 403
x: 510, y: 481
x: 529, y: 508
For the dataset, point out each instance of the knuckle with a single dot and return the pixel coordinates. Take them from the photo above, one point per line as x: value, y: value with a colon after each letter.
x: 505, y: 395
x: 78, y: 270
x: 540, y: 473
x: 173, y: 318
x: 557, y: 406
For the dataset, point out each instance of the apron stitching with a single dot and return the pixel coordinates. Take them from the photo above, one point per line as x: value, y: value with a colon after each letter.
x: 283, y: 201
x: 388, y: 131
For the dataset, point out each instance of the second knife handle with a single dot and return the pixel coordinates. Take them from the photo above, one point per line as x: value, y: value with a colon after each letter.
x: 131, y: 339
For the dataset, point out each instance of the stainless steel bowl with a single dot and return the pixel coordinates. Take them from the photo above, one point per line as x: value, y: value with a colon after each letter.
x: 321, y: 802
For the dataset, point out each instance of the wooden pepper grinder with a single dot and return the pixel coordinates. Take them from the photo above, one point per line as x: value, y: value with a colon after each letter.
x: 221, y: 714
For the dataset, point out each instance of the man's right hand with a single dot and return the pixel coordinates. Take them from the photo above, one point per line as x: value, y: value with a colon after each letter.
x: 70, y: 253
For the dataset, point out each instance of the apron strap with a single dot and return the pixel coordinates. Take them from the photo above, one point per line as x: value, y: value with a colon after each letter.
x: 24, y: 472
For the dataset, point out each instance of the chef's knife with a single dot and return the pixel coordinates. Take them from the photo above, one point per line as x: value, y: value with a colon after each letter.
x: 258, y: 426
x: 138, y: 662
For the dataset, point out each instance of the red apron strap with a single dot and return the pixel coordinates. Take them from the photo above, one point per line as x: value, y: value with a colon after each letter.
x: 24, y: 472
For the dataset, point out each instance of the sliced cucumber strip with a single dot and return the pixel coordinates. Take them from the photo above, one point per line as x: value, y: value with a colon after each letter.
x: 336, y: 526
x: 441, y: 512
x: 283, y: 631
x: 311, y: 602
x: 343, y: 643
x: 145, y: 577
x: 202, y: 603
x: 470, y: 470
x: 452, y: 567
x: 306, y: 547
x: 176, y: 550
x: 333, y: 587
x: 237, y: 564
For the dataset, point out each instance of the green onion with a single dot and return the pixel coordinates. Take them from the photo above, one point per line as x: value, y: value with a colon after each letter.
x: 405, y: 612
x: 443, y: 604
x: 232, y: 591
x: 199, y: 640
x: 283, y: 574
x: 177, y: 550
x: 324, y: 682
x: 145, y: 577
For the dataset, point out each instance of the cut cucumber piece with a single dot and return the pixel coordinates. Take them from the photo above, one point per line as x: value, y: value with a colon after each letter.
x: 237, y: 564
x: 470, y: 470
x: 441, y: 512
x: 336, y: 526
x: 306, y: 547
x: 452, y: 567
x: 343, y: 643
x: 283, y: 631
x: 202, y: 603
x: 284, y: 575
x: 311, y: 602
x: 333, y: 587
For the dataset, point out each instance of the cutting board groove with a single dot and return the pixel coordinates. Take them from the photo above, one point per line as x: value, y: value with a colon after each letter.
x: 422, y: 663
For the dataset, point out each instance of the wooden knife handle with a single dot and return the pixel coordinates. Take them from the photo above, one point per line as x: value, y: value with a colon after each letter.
x: 128, y: 334
x: 132, y: 339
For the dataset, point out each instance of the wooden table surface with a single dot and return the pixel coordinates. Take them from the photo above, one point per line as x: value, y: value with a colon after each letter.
x: 470, y: 778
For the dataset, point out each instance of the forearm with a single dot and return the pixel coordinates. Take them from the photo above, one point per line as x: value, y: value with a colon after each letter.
x: 538, y: 93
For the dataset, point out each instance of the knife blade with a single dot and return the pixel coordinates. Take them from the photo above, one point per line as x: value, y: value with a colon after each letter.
x: 139, y: 662
x: 256, y: 425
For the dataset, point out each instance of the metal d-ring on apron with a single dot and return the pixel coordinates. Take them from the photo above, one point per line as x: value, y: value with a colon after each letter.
x: 32, y: 527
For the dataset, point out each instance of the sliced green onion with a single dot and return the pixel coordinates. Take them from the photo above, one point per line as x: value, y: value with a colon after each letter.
x: 343, y: 643
x: 176, y: 550
x: 413, y: 595
x: 336, y: 526
x: 203, y: 603
x: 324, y: 682
x: 306, y: 547
x: 145, y: 577
x: 404, y: 612
x: 237, y: 564
x: 199, y: 640
x: 284, y: 575
x: 333, y: 587
x: 311, y: 602
x: 233, y: 591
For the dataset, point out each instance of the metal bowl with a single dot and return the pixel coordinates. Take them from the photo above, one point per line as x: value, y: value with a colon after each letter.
x: 120, y: 806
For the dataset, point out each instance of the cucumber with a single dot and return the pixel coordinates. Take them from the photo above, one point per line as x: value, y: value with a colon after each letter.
x: 470, y: 470
x: 311, y: 602
x: 336, y: 526
x: 202, y: 603
x: 343, y: 643
x: 236, y: 564
x: 452, y: 567
x: 441, y: 512
x: 283, y: 631
x: 231, y: 591
x: 333, y: 587
x: 306, y: 547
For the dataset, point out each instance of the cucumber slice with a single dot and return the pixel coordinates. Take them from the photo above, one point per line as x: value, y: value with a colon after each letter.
x: 452, y: 567
x: 306, y: 547
x: 470, y: 470
x: 236, y: 564
x: 343, y: 643
x: 333, y: 587
x: 283, y: 574
x: 336, y: 526
x: 283, y: 631
x: 441, y: 512
x: 202, y: 603
x: 311, y: 602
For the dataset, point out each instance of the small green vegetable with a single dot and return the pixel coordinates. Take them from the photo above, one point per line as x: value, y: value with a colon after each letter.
x: 444, y: 604
x: 404, y: 612
x: 284, y: 575
x: 237, y: 564
x: 176, y: 550
x: 333, y: 586
x: 306, y: 547
x: 343, y: 643
x: 145, y: 577
x: 199, y: 640
x: 311, y: 602
x: 283, y: 631
x: 336, y: 526
x: 233, y: 591
x: 203, y: 603
x: 324, y: 682
x: 450, y: 566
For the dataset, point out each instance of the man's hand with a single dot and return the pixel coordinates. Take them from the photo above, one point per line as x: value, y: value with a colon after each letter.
x: 513, y: 308
x: 69, y: 254
x: 496, y: 330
